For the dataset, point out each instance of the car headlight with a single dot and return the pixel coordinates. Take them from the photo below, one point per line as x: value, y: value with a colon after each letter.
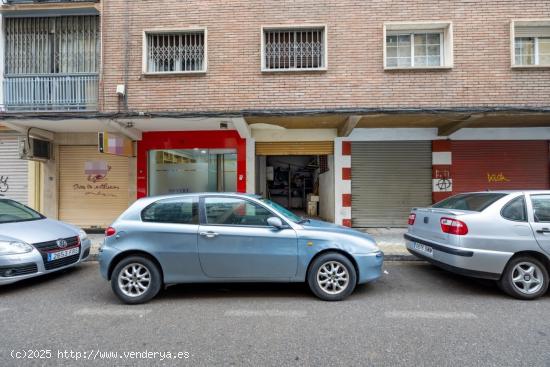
x: 82, y: 234
x: 14, y: 247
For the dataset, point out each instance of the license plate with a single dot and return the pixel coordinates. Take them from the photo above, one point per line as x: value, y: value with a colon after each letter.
x: 423, y: 248
x: 61, y: 254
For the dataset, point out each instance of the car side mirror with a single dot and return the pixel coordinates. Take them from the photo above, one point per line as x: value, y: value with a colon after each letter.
x: 275, y: 222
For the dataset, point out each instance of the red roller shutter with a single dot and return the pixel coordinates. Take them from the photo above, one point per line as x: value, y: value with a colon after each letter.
x: 499, y: 165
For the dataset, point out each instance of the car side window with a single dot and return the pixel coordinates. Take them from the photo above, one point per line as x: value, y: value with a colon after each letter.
x: 235, y: 211
x: 515, y: 210
x: 541, y: 207
x: 173, y: 210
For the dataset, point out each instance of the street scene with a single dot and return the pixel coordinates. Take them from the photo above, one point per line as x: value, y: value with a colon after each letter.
x: 260, y: 183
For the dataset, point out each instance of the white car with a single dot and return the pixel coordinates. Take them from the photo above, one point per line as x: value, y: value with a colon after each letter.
x: 32, y: 245
x: 500, y: 235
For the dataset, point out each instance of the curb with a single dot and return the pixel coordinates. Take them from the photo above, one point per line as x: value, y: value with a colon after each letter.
x: 387, y: 257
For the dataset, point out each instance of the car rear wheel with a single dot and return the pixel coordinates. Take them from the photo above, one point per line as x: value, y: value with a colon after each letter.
x: 332, y: 277
x: 136, y: 279
x: 524, y: 278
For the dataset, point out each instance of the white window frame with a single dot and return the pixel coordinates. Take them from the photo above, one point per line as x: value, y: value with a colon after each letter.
x: 174, y: 31
x: 445, y: 28
x: 292, y: 27
x: 526, y: 23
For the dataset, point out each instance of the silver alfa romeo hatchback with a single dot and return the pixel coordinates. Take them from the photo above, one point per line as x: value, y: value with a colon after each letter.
x: 503, y: 236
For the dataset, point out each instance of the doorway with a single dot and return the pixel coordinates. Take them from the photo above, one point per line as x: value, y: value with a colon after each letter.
x: 301, y: 183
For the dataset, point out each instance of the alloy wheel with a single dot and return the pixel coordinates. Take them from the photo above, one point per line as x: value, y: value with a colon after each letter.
x: 134, y: 280
x: 527, y: 278
x: 333, y: 277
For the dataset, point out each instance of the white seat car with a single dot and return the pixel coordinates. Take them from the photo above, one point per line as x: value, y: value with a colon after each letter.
x: 504, y: 236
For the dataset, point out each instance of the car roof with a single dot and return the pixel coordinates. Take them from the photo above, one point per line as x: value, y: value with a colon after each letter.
x: 236, y: 194
x: 509, y: 192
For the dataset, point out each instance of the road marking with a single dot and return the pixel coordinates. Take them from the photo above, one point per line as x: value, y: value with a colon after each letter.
x: 268, y: 313
x: 4, y: 309
x: 429, y: 315
x: 112, y: 312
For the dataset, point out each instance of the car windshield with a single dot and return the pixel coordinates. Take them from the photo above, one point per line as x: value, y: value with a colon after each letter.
x: 476, y: 202
x: 12, y: 211
x: 287, y: 213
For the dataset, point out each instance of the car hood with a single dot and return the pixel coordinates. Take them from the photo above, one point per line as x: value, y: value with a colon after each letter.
x: 37, y: 231
x: 332, y: 230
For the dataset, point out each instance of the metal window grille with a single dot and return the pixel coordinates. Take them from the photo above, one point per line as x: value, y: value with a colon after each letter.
x: 295, y: 49
x: 175, y: 52
x: 51, y: 63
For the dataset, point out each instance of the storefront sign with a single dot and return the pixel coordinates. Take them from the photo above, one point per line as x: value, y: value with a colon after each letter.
x: 96, y: 174
x: 115, y: 144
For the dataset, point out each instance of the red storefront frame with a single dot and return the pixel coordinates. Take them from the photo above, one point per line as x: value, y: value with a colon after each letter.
x: 216, y: 139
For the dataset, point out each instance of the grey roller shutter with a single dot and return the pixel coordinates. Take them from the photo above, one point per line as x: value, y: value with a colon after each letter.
x: 387, y: 180
x: 13, y: 170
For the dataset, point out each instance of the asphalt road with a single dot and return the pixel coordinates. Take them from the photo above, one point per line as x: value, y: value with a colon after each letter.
x: 416, y: 315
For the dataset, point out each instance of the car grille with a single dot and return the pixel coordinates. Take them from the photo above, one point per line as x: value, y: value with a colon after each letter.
x: 45, y: 247
x: 13, y: 271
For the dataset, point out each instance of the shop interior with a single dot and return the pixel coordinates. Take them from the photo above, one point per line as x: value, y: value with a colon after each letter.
x: 301, y: 183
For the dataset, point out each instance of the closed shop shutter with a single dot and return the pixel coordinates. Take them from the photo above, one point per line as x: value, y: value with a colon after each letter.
x: 499, y: 165
x: 93, y: 187
x: 387, y: 180
x: 13, y: 170
x: 295, y: 148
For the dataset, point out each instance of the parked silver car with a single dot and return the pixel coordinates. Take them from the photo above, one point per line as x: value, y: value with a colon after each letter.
x: 503, y: 236
x: 32, y: 245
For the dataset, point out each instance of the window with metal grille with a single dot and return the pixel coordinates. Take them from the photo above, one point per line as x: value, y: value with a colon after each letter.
x: 176, y: 52
x: 51, y: 63
x: 294, y: 49
x: 52, y: 45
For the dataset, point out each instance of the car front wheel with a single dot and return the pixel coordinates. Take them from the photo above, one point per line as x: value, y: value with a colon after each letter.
x: 332, y: 277
x: 136, y: 279
x: 524, y: 278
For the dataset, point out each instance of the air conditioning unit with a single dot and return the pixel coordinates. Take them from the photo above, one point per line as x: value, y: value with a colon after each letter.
x: 35, y: 149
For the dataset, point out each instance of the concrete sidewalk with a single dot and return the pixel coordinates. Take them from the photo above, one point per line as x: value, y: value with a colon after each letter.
x: 390, y: 241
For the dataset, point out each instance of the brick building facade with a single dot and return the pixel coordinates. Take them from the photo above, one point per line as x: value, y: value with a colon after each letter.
x: 373, y: 107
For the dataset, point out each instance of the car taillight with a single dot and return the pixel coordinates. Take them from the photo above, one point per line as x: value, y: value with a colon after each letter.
x: 453, y: 226
x: 412, y: 218
x: 110, y: 231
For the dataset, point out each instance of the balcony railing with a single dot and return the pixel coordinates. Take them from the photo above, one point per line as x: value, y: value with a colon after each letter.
x: 53, y: 92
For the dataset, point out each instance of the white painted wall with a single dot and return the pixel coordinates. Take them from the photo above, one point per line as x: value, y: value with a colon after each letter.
x: 250, y: 166
x: 261, y: 175
x: 326, y: 192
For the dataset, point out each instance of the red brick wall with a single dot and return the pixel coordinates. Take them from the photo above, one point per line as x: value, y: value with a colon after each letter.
x: 355, y: 78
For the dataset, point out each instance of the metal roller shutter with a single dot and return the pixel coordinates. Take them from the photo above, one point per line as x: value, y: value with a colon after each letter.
x: 13, y: 170
x: 90, y: 193
x: 295, y: 148
x: 499, y: 165
x: 387, y: 180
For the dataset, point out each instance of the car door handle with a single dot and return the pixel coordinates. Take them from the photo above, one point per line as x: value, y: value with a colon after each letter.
x: 209, y: 234
x: 543, y: 230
